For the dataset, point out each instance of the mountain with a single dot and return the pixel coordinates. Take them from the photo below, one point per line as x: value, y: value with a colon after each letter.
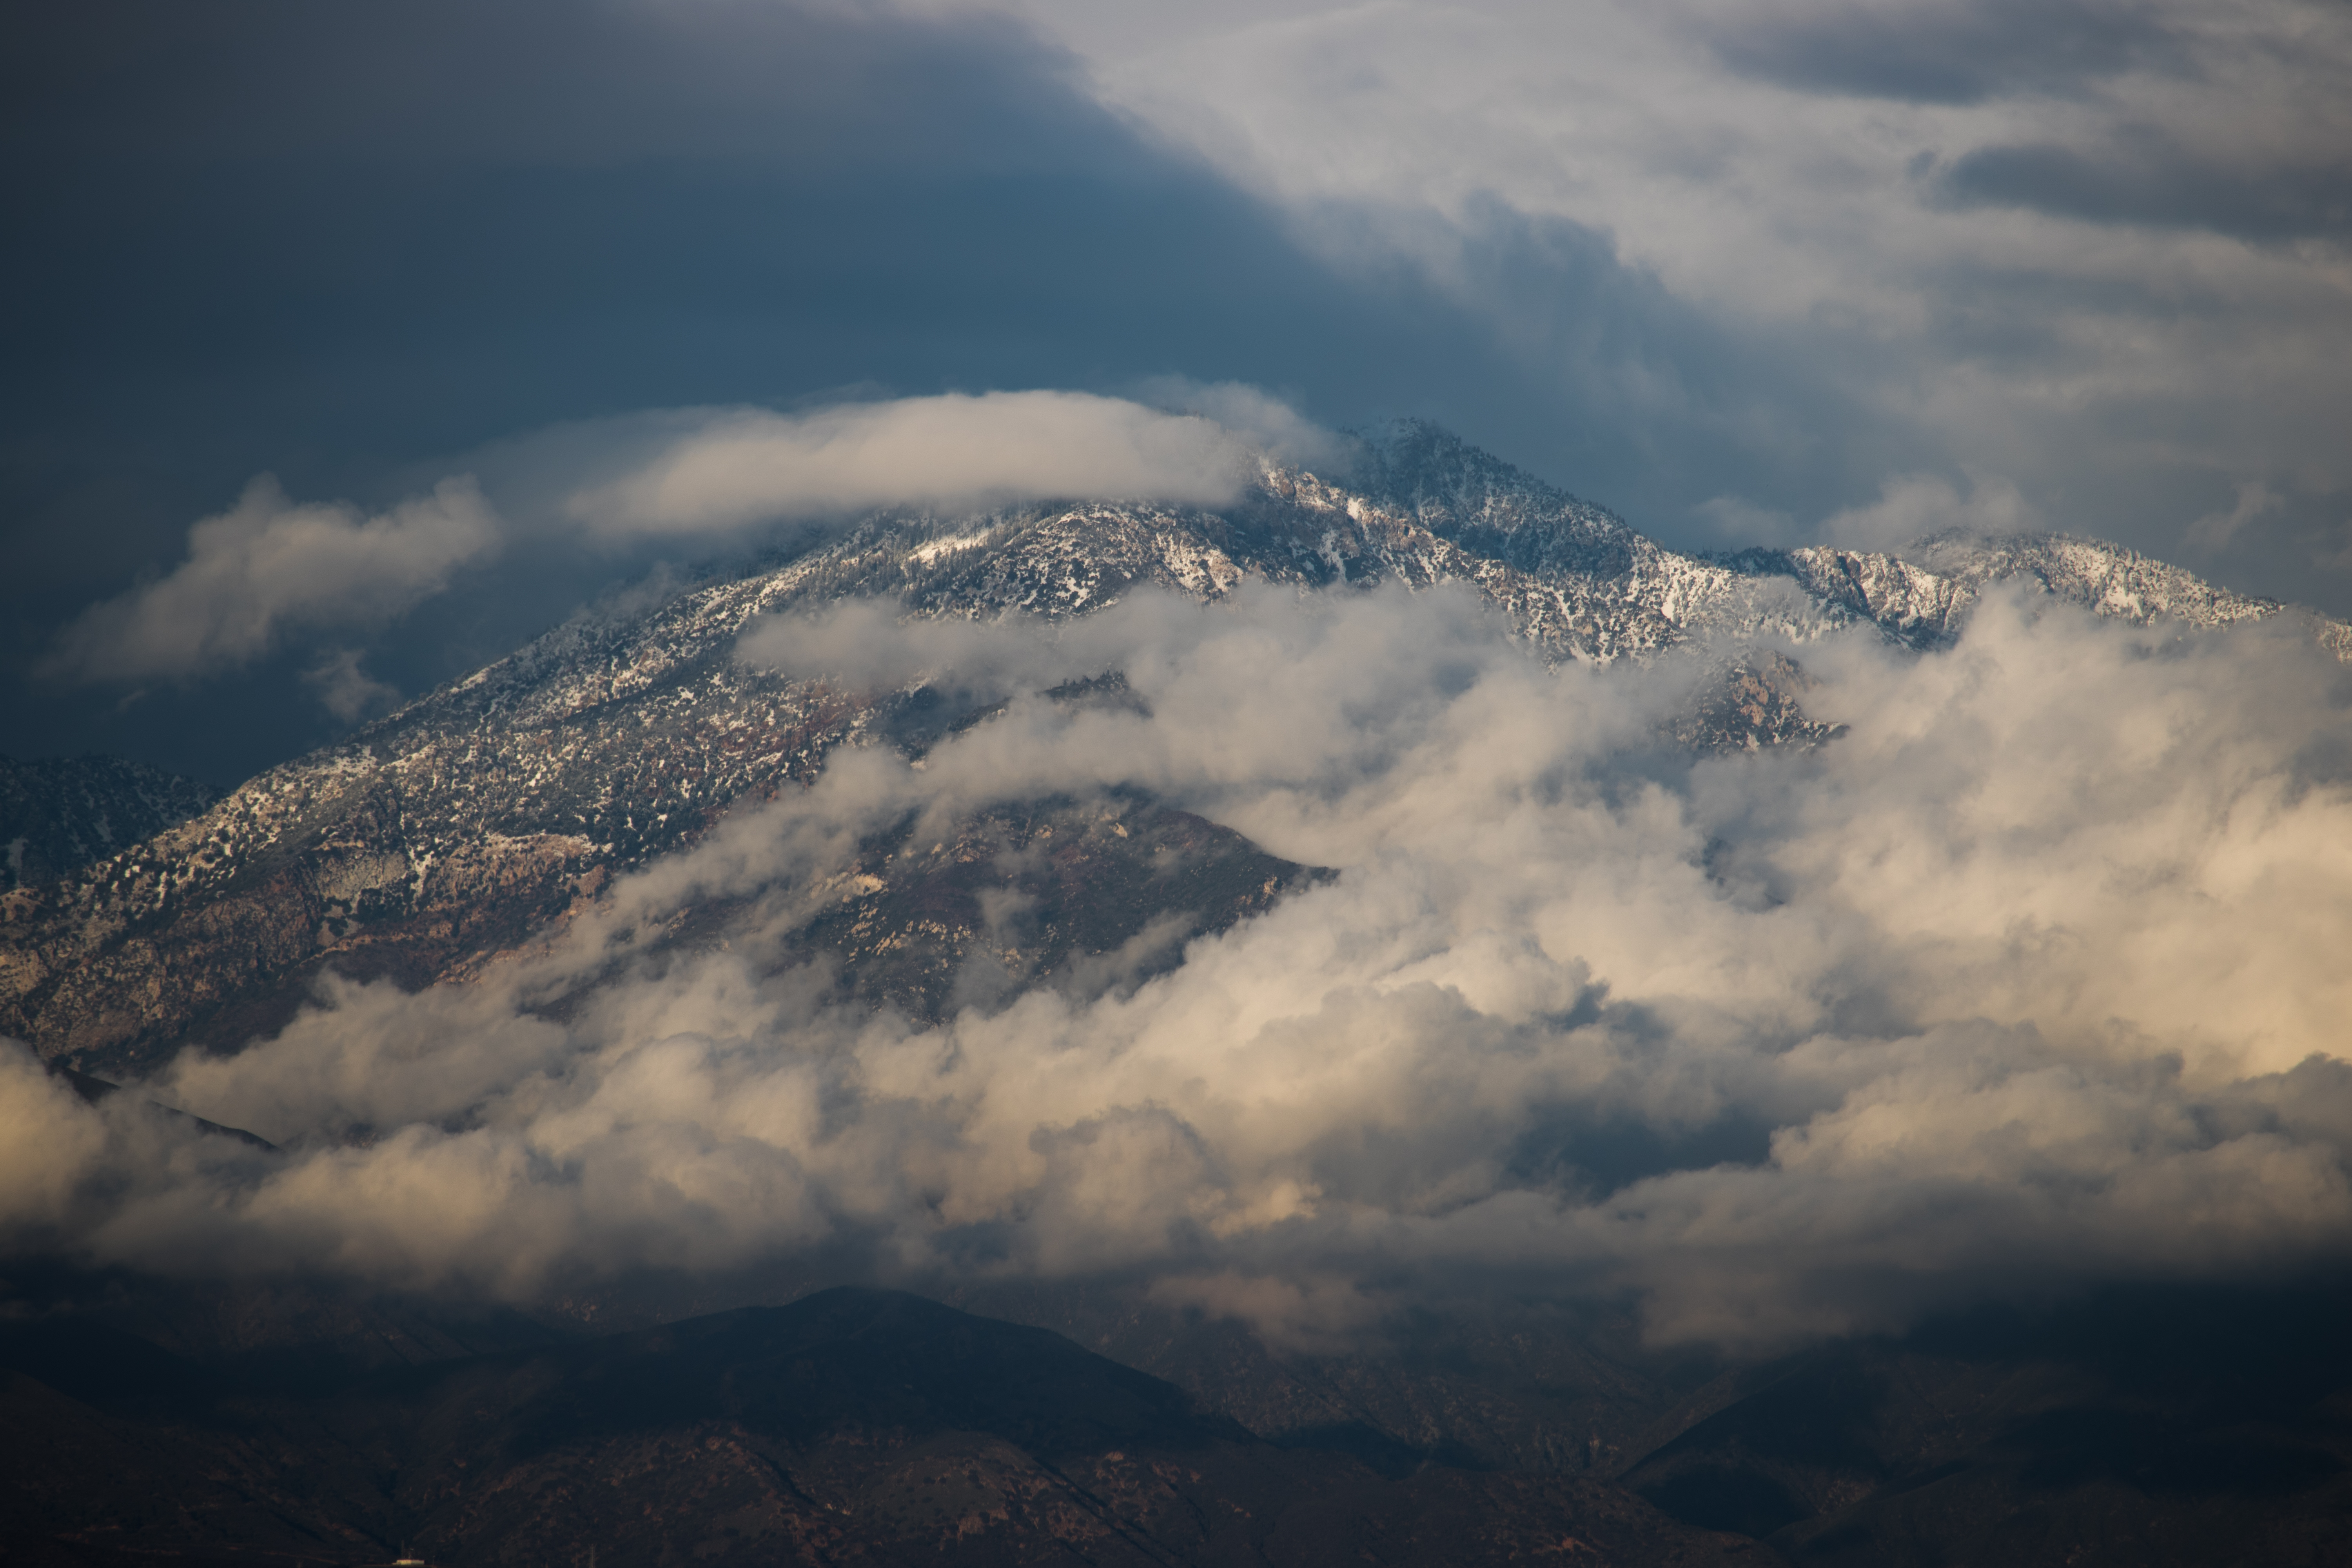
x: 277, y: 1425
x: 1924, y: 597
x: 2175, y: 1425
x: 495, y: 810
x: 268, y: 1420
x: 852, y: 1425
x: 58, y: 814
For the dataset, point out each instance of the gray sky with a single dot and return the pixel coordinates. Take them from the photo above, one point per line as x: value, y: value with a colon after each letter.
x: 1771, y: 274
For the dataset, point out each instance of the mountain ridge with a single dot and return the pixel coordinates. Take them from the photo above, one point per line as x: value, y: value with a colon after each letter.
x: 501, y: 806
x: 850, y: 1425
x: 469, y: 828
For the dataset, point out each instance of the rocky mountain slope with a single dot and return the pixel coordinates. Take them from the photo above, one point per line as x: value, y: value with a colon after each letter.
x: 58, y: 814
x: 1923, y: 597
x: 453, y: 831
x: 463, y: 829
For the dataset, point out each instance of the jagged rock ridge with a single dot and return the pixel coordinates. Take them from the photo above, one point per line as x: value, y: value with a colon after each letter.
x: 1924, y: 596
x: 449, y: 832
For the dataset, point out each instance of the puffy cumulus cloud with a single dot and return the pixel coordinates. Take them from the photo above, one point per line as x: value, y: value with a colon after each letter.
x: 71, y: 1172
x: 268, y: 567
x: 2033, y: 976
x: 704, y: 472
x: 865, y: 643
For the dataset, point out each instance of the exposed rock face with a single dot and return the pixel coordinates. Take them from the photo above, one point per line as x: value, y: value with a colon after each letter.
x: 1056, y: 892
x: 58, y: 814
x: 490, y: 812
x: 1924, y: 597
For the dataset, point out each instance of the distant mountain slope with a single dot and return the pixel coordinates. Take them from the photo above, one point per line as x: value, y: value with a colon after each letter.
x: 2172, y: 1425
x: 58, y: 814
x: 450, y: 831
x: 850, y: 1427
x: 2178, y: 1425
x: 453, y: 830
x: 1925, y: 596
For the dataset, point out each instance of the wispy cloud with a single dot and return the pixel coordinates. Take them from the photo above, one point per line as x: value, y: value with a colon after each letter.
x: 349, y: 692
x: 271, y: 571
x: 1911, y: 506
x: 268, y: 569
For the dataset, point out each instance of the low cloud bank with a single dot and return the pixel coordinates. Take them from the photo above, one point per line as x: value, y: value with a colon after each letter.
x: 2033, y: 977
x: 707, y: 471
x: 270, y: 570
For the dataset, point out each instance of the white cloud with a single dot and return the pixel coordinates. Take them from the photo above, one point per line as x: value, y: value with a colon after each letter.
x: 269, y: 568
x: 1268, y: 423
x: 50, y: 1143
x: 2034, y: 977
x: 709, y: 471
x: 865, y: 643
x: 350, y: 693
x: 2132, y: 295
x: 2216, y: 529
x: 1911, y: 506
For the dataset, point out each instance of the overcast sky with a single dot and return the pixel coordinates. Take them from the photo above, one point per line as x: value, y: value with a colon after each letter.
x: 1827, y: 268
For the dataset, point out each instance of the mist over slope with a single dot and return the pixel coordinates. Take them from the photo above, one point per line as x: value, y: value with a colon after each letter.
x: 2029, y: 976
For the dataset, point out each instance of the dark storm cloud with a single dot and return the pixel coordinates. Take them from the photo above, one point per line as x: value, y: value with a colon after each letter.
x: 572, y: 83
x: 329, y: 242
x: 2147, y: 179
x: 339, y: 245
x: 1650, y: 398
x: 1945, y: 52
x: 1777, y: 166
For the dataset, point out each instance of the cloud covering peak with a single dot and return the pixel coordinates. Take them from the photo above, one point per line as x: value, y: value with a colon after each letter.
x: 718, y: 470
x: 270, y: 569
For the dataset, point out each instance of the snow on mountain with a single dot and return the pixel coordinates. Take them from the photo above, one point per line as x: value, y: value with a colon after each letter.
x: 1923, y: 597
x: 453, y: 830
x: 59, y: 814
